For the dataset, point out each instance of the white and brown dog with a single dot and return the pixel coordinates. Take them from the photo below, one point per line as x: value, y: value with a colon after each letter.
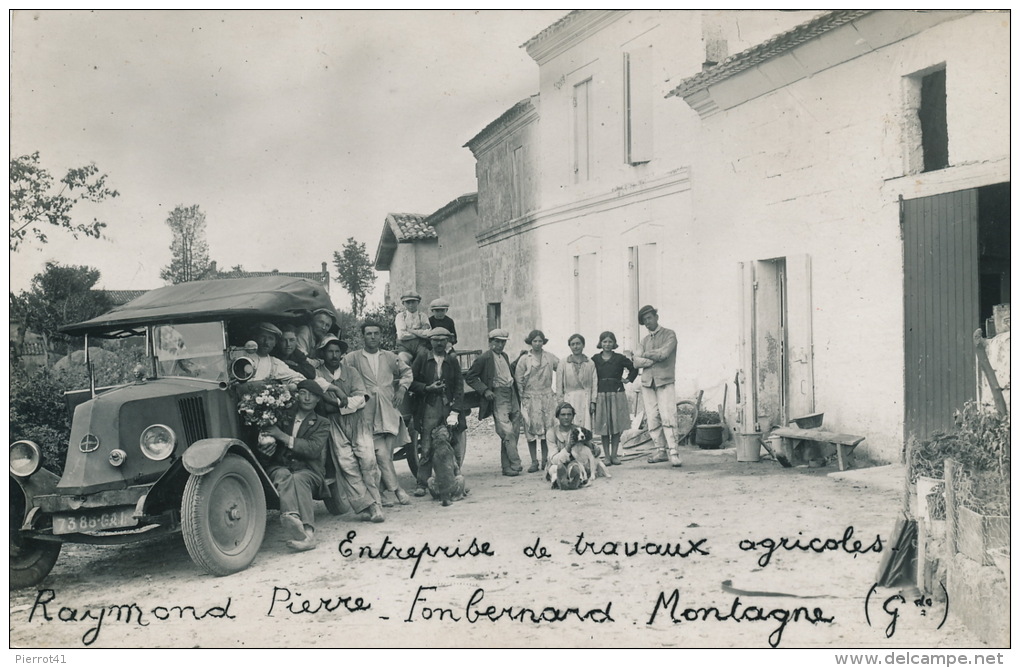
x: 582, y: 466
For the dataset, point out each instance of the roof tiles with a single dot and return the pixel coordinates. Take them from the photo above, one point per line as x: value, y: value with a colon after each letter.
x: 410, y: 227
x: 770, y: 48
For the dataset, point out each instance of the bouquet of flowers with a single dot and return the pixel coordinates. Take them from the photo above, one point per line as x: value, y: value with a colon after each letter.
x: 262, y: 405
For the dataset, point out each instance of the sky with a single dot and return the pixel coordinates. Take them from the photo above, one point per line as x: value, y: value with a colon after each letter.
x: 292, y: 130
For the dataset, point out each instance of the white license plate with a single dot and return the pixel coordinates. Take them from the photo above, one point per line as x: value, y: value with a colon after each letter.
x: 93, y: 521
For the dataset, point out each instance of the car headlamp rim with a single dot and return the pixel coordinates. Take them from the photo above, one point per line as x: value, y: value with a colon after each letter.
x: 26, y: 464
x: 158, y: 450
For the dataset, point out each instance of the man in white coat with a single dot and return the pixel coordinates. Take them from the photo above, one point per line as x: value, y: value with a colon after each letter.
x: 386, y: 378
x: 349, y: 434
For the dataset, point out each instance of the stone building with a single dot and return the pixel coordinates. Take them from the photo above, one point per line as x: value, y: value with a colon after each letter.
x: 456, y: 226
x: 783, y: 186
x: 409, y: 250
x: 850, y: 218
x: 506, y: 151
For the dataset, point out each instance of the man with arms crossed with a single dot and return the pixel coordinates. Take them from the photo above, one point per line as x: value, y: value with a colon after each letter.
x: 656, y: 357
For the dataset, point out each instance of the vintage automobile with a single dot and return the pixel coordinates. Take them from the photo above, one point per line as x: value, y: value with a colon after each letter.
x: 167, y: 452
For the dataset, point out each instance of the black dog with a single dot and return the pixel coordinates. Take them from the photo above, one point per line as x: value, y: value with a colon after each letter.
x: 446, y: 483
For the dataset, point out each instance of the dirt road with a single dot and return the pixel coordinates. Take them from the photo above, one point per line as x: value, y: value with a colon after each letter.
x: 678, y: 536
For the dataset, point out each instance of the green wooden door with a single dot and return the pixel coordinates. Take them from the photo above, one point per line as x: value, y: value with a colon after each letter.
x: 940, y: 280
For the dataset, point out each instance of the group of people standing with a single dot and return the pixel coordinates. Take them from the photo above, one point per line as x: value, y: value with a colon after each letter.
x: 529, y: 394
x: 353, y: 402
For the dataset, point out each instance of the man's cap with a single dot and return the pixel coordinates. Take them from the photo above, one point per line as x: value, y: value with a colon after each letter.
x: 439, y: 332
x: 326, y: 311
x: 312, y: 387
x: 501, y: 334
x: 645, y: 310
x: 439, y: 303
x: 329, y: 338
x: 411, y: 296
x: 271, y: 328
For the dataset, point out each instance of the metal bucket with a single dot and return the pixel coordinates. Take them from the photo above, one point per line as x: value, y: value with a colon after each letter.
x: 748, y: 447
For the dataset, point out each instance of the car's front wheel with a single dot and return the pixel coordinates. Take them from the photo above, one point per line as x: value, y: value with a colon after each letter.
x: 31, y: 559
x: 223, y: 516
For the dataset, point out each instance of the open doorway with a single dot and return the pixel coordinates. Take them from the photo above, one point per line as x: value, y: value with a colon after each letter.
x: 777, y: 370
x: 993, y: 253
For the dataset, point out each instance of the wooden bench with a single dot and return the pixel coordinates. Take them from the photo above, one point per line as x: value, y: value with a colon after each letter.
x: 795, y: 441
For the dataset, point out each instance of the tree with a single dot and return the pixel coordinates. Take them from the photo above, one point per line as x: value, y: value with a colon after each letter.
x: 33, y: 205
x: 190, y: 261
x: 355, y: 273
x: 60, y: 295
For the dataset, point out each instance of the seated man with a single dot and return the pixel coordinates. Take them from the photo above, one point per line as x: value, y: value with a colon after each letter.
x: 268, y: 367
x: 297, y: 464
x: 571, y: 446
x: 287, y: 351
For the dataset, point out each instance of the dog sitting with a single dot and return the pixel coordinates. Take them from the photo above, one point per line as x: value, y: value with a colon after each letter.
x: 446, y: 483
x: 581, y: 464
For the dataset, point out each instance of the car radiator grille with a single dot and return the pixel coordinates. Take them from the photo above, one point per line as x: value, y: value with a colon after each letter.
x: 193, y: 417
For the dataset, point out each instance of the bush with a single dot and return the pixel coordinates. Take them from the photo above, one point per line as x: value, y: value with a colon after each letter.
x: 385, y: 314
x: 980, y: 444
x: 38, y: 413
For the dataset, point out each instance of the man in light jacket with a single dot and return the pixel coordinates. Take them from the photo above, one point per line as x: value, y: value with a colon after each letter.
x: 386, y: 378
x: 350, y: 436
x: 656, y: 357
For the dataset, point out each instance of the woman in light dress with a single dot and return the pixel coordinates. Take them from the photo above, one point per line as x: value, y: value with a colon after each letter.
x: 534, y: 373
x: 577, y: 381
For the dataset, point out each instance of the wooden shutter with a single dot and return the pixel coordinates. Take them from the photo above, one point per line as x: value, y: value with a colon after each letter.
x: 800, y: 394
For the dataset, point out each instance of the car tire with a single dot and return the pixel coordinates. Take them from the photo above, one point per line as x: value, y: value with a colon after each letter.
x: 223, y: 516
x: 31, y: 560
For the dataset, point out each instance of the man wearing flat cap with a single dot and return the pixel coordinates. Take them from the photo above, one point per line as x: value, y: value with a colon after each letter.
x: 439, y: 387
x: 412, y: 328
x: 297, y: 464
x: 656, y: 357
x: 491, y: 378
x: 350, y: 435
x: 267, y: 367
x: 438, y: 318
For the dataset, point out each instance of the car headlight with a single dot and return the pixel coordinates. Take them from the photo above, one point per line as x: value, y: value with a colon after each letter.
x: 26, y: 458
x: 157, y: 442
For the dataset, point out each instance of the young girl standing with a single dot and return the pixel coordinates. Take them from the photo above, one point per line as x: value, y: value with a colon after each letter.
x: 612, y: 414
x: 576, y: 381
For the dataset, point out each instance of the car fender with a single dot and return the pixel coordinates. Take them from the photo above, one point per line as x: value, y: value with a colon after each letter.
x: 204, y: 454
x: 39, y: 483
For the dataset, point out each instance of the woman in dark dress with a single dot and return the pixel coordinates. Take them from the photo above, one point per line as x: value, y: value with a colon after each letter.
x: 612, y: 413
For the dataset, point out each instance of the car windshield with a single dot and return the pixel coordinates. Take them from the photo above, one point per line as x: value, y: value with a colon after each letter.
x: 192, y: 350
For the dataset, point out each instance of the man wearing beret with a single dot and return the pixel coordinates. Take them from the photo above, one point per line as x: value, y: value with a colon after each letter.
x: 656, y: 357
x: 297, y: 464
x: 439, y: 388
x: 491, y: 378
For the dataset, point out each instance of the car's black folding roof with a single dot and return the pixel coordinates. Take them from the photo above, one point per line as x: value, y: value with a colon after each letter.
x: 270, y: 297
